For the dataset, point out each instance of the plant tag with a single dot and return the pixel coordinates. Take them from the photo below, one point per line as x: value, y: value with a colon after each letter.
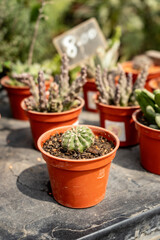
x: 80, y: 42
x: 90, y: 98
x: 118, y: 128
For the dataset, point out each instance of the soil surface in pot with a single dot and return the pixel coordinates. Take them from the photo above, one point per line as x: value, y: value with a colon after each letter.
x: 143, y: 120
x: 100, y: 147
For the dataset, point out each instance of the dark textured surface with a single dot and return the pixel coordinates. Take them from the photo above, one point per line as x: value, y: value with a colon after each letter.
x: 130, y: 210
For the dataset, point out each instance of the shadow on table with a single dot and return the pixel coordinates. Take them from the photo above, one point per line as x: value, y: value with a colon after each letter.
x: 129, y: 157
x: 20, y: 138
x: 34, y: 182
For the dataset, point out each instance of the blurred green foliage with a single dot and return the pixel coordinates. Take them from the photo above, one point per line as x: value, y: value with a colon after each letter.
x: 138, y: 19
x: 17, y: 21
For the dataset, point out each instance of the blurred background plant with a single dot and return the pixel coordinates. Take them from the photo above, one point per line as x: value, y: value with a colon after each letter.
x: 17, y: 24
x: 138, y: 19
x: 105, y: 58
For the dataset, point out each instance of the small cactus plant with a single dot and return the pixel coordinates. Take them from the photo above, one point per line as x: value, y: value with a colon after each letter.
x: 121, y: 94
x: 78, y: 138
x: 62, y: 94
x: 150, y: 106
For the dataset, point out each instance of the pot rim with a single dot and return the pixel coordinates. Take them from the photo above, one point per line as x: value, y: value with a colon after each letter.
x: 136, y: 72
x: 152, y: 81
x: 117, y: 142
x: 3, y: 82
x: 134, y: 117
x: 113, y: 106
x: 90, y: 80
x: 53, y: 113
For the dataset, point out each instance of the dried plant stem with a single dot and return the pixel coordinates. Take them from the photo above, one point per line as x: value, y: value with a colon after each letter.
x: 30, y: 55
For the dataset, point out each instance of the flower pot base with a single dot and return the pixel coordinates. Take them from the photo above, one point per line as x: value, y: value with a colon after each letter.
x: 78, y: 192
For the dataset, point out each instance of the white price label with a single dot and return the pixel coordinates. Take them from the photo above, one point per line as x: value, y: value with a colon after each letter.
x: 90, y: 98
x: 118, y: 128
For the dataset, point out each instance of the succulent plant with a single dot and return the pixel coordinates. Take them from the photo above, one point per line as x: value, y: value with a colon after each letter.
x: 122, y: 93
x: 106, y: 58
x: 150, y: 106
x: 21, y: 73
x: 78, y: 138
x: 62, y: 95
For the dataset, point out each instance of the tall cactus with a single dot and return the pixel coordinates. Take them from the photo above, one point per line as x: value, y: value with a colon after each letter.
x: 139, y: 83
x: 64, y: 77
x: 150, y: 106
x: 78, y: 138
x: 42, y: 92
x: 121, y: 94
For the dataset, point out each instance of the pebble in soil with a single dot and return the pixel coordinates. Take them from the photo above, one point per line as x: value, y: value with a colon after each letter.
x: 100, y: 147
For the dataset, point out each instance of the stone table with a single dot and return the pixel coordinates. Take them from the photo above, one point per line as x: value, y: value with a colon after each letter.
x: 130, y: 210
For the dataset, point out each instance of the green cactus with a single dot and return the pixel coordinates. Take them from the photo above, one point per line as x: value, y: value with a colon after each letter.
x: 63, y: 96
x: 121, y: 94
x: 150, y: 106
x: 78, y: 138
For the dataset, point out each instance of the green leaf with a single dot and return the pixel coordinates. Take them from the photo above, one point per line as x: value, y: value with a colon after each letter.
x: 34, y: 12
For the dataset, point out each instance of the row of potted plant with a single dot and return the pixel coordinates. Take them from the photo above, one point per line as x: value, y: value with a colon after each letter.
x: 61, y: 106
x: 76, y: 183
x: 108, y: 60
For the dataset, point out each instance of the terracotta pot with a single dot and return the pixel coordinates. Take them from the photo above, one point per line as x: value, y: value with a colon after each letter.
x: 153, y: 72
x: 79, y: 183
x: 149, y: 140
x: 89, y: 90
x: 42, y: 122
x: 48, y: 83
x: 119, y: 121
x: 154, y: 84
x: 16, y: 95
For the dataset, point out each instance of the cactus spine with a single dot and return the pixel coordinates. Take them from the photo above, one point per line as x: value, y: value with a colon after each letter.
x: 150, y: 106
x: 78, y: 139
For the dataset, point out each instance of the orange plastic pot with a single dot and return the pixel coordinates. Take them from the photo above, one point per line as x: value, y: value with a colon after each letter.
x: 16, y: 95
x: 119, y: 121
x: 89, y: 90
x: 149, y: 140
x: 79, y: 183
x: 153, y: 72
x: 48, y: 83
x: 154, y: 84
x: 41, y: 122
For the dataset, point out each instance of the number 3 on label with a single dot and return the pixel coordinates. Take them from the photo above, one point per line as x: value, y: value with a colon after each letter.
x: 69, y: 43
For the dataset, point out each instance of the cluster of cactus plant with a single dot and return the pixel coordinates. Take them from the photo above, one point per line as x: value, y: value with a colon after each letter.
x: 78, y: 139
x: 61, y: 96
x: 150, y: 106
x: 122, y: 93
